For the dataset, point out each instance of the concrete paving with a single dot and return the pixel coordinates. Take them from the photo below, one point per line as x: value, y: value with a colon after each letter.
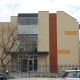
x: 36, y: 79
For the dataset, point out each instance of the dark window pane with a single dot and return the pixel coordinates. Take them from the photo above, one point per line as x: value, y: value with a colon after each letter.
x: 34, y: 49
x: 34, y: 43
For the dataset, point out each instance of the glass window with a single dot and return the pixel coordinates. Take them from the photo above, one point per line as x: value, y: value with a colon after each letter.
x: 29, y: 45
x: 34, y: 49
x: 78, y: 74
x: 35, y: 65
x: 28, y: 25
x: 31, y: 57
x: 71, y: 74
x: 21, y: 46
x: 27, y: 20
x: 28, y: 49
x: 35, y: 57
x: 21, y: 49
x: 27, y: 29
x: 34, y: 43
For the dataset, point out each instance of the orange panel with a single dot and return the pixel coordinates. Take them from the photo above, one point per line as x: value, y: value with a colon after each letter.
x: 63, y: 51
x: 53, y: 42
x: 71, y: 33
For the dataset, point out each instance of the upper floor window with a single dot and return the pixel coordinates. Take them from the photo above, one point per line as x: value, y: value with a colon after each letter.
x: 28, y: 20
x: 27, y: 29
x: 28, y: 25
x: 29, y: 44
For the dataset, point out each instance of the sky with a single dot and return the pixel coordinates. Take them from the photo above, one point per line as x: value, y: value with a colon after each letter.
x: 13, y: 7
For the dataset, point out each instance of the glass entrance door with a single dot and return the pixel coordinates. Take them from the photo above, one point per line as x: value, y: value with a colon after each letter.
x: 24, y: 65
x: 35, y: 64
x: 27, y: 63
x: 30, y: 63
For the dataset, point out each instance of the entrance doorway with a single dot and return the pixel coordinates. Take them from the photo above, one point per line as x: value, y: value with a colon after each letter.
x: 28, y: 63
x: 32, y: 64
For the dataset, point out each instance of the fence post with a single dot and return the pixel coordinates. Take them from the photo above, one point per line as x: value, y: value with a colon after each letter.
x: 55, y: 68
x: 29, y: 69
x: 41, y: 68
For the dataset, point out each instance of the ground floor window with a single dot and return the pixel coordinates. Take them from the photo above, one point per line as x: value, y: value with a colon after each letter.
x: 27, y: 63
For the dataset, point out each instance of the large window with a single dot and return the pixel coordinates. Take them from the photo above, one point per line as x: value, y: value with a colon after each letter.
x: 27, y: 62
x: 28, y: 25
x: 28, y: 20
x: 27, y: 46
x: 27, y: 29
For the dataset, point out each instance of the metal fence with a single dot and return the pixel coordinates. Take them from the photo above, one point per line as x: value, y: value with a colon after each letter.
x: 38, y: 71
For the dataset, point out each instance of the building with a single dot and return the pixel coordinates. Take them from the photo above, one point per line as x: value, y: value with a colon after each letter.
x: 53, y: 39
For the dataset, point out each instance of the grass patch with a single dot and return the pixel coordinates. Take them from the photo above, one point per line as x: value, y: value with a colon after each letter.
x: 45, y: 76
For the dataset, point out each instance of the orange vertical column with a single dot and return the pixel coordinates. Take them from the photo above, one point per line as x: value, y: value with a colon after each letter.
x: 53, y: 42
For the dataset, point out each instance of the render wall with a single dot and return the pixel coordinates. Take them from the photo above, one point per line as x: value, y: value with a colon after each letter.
x: 43, y: 63
x: 43, y: 31
x: 43, y: 37
x: 7, y: 28
x: 67, y: 39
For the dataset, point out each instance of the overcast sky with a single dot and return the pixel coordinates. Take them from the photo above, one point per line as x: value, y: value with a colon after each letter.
x: 13, y: 7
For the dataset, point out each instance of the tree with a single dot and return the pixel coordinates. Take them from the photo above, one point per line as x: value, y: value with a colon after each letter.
x: 8, y: 43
